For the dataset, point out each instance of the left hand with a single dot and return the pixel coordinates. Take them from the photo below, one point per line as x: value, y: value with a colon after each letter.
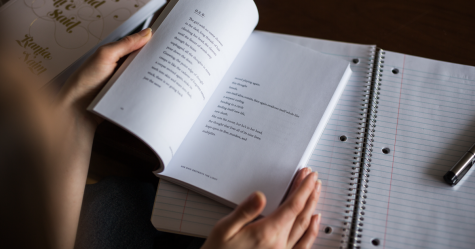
x: 50, y: 145
x: 85, y: 83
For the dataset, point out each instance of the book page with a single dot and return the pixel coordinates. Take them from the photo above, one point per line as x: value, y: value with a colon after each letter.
x: 161, y: 92
x: 332, y: 158
x: 259, y: 122
x: 425, y: 118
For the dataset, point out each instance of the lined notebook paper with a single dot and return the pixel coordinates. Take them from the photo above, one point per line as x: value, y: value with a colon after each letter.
x: 179, y: 210
x: 426, y: 118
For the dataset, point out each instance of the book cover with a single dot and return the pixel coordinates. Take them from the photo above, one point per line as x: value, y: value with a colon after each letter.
x: 40, y: 38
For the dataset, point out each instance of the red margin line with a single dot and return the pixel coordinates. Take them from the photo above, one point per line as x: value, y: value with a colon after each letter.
x: 184, y: 207
x: 394, y: 152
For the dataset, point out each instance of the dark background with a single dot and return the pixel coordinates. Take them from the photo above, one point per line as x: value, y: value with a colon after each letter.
x: 440, y: 30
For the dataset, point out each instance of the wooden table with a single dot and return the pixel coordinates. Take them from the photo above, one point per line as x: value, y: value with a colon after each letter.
x: 441, y: 30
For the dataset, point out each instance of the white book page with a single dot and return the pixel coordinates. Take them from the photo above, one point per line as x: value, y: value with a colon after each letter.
x: 426, y: 118
x: 159, y: 95
x: 257, y: 125
x: 332, y: 158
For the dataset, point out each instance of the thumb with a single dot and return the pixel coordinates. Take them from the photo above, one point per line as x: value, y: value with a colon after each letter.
x: 246, y: 212
x: 112, y: 52
x: 94, y: 73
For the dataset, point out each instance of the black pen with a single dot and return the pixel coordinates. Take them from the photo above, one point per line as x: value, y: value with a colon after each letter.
x: 455, y: 174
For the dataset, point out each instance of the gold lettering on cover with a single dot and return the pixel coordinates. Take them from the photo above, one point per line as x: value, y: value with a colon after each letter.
x: 34, y: 66
x: 94, y: 3
x: 70, y: 23
x: 58, y: 3
x: 70, y: 6
x: 28, y: 42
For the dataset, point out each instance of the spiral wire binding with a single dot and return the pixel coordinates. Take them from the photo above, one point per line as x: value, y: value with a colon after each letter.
x: 354, y: 218
x: 351, y: 201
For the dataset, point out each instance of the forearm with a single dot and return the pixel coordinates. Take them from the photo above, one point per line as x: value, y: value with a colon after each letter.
x: 42, y: 181
x: 44, y: 158
x: 65, y: 180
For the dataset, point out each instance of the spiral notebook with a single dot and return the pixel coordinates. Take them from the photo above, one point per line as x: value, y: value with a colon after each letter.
x: 401, y: 123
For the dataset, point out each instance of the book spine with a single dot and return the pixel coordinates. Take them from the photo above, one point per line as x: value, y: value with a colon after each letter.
x: 363, y: 152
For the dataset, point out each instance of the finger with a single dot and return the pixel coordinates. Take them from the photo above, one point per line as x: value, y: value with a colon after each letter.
x: 299, y: 179
x: 246, y: 212
x: 104, y: 60
x: 302, y: 222
x: 286, y: 214
x: 112, y: 52
x: 311, y: 234
x: 94, y: 73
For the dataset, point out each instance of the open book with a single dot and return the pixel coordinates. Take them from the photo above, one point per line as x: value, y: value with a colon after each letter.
x: 227, y: 112
x: 400, y: 125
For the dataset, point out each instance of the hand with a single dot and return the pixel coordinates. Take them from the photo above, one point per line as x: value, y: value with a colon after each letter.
x: 85, y: 83
x: 53, y: 143
x: 292, y: 225
x: 68, y: 176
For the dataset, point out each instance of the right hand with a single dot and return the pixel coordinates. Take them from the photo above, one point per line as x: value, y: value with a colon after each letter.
x: 292, y: 225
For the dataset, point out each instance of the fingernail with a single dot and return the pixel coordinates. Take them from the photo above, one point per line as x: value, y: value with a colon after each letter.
x: 319, y: 185
x: 319, y: 218
x: 145, y: 32
x: 315, y: 176
x: 305, y: 171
